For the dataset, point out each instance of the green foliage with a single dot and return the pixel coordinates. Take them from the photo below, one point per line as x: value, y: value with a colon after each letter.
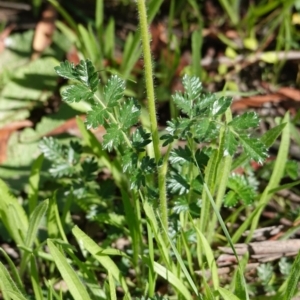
x: 240, y: 189
x: 141, y: 180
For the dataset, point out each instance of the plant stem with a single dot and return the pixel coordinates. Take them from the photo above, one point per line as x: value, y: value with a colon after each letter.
x: 151, y: 108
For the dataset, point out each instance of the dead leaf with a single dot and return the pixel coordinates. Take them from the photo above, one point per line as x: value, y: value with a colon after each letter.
x: 44, y: 31
x: 5, y: 133
x: 290, y: 93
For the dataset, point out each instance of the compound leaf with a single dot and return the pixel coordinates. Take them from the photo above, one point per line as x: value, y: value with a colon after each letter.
x: 96, y: 116
x: 182, y: 103
x: 76, y: 92
x: 51, y: 149
x: 140, y: 139
x: 254, y: 148
x: 240, y: 190
x: 178, y: 184
x: 192, y: 87
x: 220, y: 105
x: 113, y: 91
x: 129, y: 113
x: 181, y: 155
x: 113, y: 137
x: 66, y: 70
x: 245, y: 121
x: 87, y: 74
x: 129, y: 160
x: 204, y: 103
x: 230, y: 144
x: 148, y: 165
x: 231, y: 199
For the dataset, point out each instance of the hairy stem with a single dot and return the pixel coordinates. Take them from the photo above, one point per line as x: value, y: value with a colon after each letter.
x: 151, y: 108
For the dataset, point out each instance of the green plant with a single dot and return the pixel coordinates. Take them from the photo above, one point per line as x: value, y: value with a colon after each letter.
x: 168, y: 197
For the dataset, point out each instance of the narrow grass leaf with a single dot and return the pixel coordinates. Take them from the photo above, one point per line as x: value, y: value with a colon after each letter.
x: 38, y: 294
x: 112, y: 287
x: 277, y: 173
x: 284, y: 187
x: 227, y: 295
x: 34, y: 180
x: 96, y: 251
x: 293, y: 279
x: 209, y: 257
x: 155, y: 229
x: 8, y: 200
x: 34, y: 222
x: 181, y: 263
x: 170, y: 277
x: 76, y: 287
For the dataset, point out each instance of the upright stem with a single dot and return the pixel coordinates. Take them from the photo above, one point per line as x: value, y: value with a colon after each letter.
x: 151, y: 108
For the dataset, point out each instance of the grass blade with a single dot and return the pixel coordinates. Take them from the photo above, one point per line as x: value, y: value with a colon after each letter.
x: 97, y: 253
x: 35, y: 280
x: 76, y: 287
x: 170, y: 277
x: 34, y: 180
x: 227, y: 295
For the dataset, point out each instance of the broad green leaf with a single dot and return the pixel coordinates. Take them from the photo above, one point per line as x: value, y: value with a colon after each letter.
x: 96, y: 116
x: 114, y: 91
x: 254, y: 148
x: 230, y: 143
x: 220, y: 105
x: 75, y: 93
x: 129, y: 113
x: 75, y: 285
x: 245, y: 121
x: 96, y: 252
x: 9, y: 205
x: 14, y: 271
x: 66, y: 70
x: 8, y: 287
x: 113, y: 137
